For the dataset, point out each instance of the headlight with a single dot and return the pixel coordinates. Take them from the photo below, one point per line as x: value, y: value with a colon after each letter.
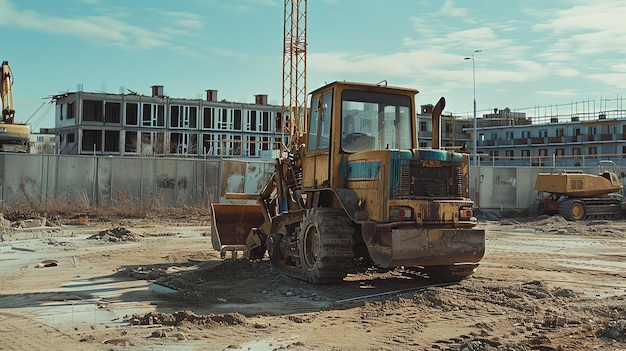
x: 400, y: 213
x: 465, y: 214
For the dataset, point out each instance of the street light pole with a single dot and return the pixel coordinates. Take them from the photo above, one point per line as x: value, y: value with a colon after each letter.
x: 475, y: 142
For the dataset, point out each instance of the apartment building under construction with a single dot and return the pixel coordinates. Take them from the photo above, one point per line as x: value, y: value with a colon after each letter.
x: 92, y: 123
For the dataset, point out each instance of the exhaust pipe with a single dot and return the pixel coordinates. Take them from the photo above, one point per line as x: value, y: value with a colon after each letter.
x: 436, y: 121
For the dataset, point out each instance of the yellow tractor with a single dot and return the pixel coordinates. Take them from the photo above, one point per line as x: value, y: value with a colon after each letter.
x: 14, y: 137
x: 355, y: 191
x: 575, y: 195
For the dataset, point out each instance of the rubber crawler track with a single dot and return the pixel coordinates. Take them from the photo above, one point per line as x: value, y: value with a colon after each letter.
x: 334, y: 255
x: 334, y: 251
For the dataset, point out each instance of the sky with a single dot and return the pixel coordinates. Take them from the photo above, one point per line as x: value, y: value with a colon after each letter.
x: 533, y: 53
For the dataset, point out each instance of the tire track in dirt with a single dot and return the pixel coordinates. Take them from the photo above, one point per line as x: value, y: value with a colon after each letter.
x: 22, y: 333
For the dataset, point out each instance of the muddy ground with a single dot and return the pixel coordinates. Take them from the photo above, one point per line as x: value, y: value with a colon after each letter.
x: 544, y: 284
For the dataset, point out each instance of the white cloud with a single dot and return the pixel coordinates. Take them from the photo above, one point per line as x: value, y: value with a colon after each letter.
x: 184, y: 19
x: 101, y: 28
x: 588, y: 29
x: 615, y: 80
x: 450, y: 9
x: 251, y: 5
x: 558, y: 93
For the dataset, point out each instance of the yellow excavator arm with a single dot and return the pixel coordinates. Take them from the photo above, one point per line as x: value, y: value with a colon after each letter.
x: 8, y: 113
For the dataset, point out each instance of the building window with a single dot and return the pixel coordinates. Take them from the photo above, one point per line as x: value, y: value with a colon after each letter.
x: 278, y: 122
x: 40, y: 139
x: 525, y: 134
x: 71, y: 138
x: 71, y: 110
x: 183, y: 116
x: 92, y: 141
x: 252, y: 146
x: 252, y: 122
x: 423, y: 126
x: 112, y: 112
x: 152, y: 143
x: 209, y: 119
x: 576, y: 131
x: 543, y: 133
x: 325, y: 121
x: 132, y: 114
x: 277, y: 143
x: 92, y: 110
x: 559, y: 132
x: 560, y: 152
x: 153, y: 115
x: 222, y: 118
x: 526, y: 153
x: 509, y: 135
x: 265, y: 121
x: 183, y: 143
x: 210, y: 144
x: 111, y: 141
x: 237, y: 119
x: 265, y: 143
x: 576, y: 152
x: 623, y: 151
x: 510, y: 154
x: 611, y: 129
x: 237, y: 149
x: 593, y: 151
x: 131, y: 142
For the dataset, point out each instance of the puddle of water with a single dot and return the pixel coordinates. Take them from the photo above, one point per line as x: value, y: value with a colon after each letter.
x: 112, y: 289
x: 265, y: 345
x: 99, y: 301
x: 191, y: 232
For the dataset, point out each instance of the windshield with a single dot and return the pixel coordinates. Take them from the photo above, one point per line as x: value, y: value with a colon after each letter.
x: 375, y: 121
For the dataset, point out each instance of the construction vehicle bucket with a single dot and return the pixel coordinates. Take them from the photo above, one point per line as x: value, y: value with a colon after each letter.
x: 232, y: 223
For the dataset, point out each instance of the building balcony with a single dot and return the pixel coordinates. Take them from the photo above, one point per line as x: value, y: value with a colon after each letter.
x: 606, y: 137
x: 555, y: 140
x: 538, y: 141
x: 523, y: 141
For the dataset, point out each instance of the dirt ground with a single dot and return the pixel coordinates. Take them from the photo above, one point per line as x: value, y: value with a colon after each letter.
x: 156, y: 284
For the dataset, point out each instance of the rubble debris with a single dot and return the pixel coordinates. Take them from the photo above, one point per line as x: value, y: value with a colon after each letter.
x: 4, y: 223
x: 32, y: 223
x: 614, y: 330
x: 187, y: 317
x: 118, y: 342
x: 47, y: 263
x: 114, y: 235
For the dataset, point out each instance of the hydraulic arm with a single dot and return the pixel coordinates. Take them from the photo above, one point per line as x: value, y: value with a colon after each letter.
x: 8, y: 113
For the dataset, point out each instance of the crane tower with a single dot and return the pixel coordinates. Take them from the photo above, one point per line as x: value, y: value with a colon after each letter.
x: 294, y: 69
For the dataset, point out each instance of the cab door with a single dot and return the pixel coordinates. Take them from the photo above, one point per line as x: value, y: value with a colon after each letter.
x: 316, y: 163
